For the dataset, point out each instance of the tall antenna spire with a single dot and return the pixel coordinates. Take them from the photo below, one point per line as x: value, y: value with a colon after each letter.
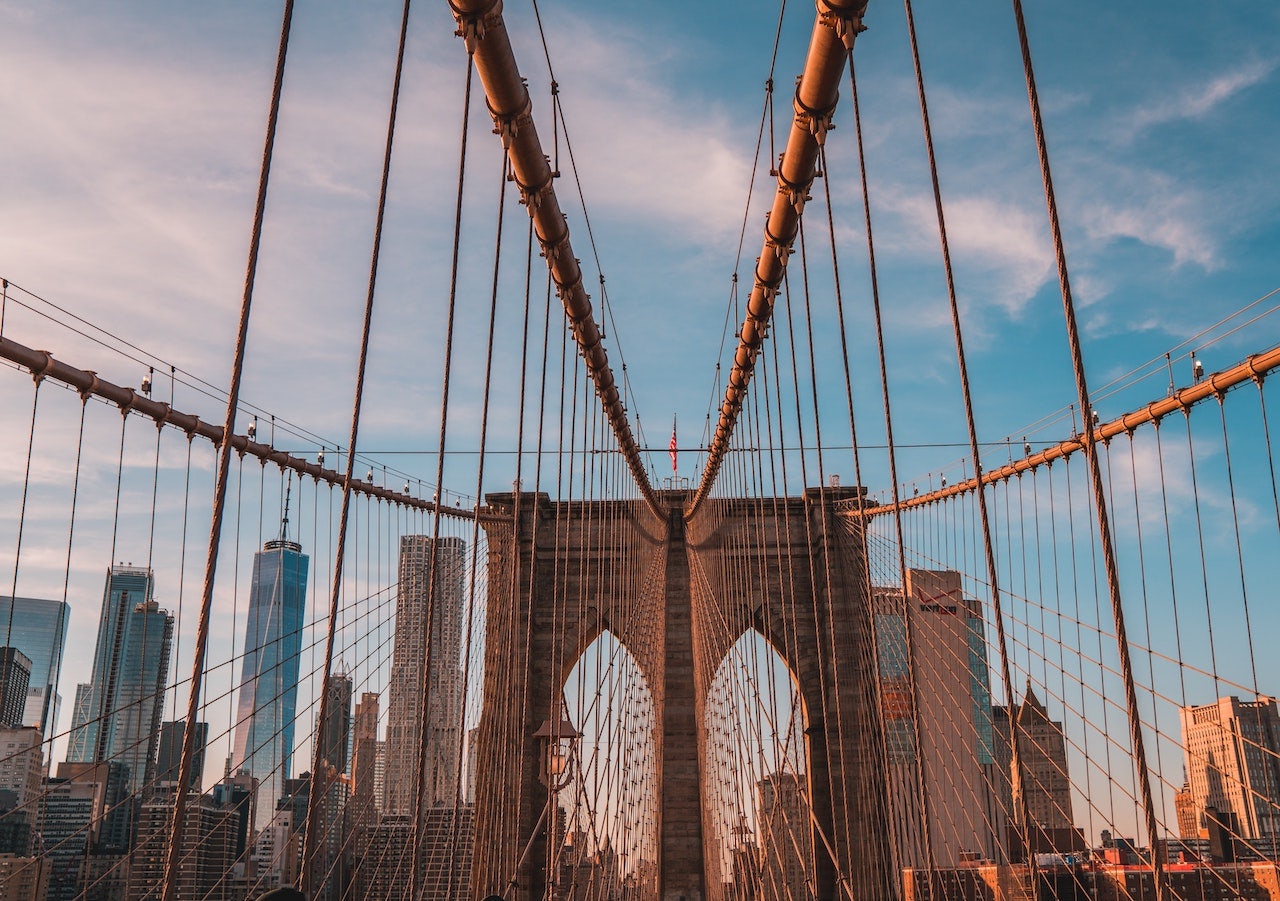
x: 284, y: 522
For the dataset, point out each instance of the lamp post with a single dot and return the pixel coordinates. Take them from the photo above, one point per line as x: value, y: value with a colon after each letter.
x: 556, y: 744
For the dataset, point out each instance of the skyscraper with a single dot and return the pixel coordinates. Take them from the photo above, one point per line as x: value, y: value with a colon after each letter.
x: 1043, y: 786
x: 209, y: 843
x: 117, y: 715
x: 444, y: 694
x: 336, y: 740
x: 20, y: 772
x: 37, y: 628
x: 786, y: 836
x: 1233, y: 770
x: 169, y: 760
x: 329, y: 794
x: 268, y: 692
x: 15, y: 676
x: 946, y: 673
x: 68, y: 812
x: 364, y: 763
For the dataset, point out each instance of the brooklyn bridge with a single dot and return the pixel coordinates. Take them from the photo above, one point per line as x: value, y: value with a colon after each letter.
x: 377, y: 585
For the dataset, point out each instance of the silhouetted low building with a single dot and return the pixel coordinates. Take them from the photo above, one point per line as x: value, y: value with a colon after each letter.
x: 1065, y: 880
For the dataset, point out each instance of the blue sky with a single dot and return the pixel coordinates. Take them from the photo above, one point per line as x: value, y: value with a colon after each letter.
x: 133, y: 131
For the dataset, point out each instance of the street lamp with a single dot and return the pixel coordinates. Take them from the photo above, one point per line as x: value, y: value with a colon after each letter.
x: 556, y: 742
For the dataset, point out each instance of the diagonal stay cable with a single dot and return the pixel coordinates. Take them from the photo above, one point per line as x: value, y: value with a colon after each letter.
x: 835, y: 27
x: 171, y: 873
x: 322, y: 770
x: 481, y: 26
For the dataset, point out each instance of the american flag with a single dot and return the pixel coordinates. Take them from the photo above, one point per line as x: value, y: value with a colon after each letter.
x: 672, y: 446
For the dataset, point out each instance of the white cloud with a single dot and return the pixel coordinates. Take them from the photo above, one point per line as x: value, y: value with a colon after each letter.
x: 1159, y: 214
x: 1197, y: 100
x: 646, y: 150
x: 1002, y: 243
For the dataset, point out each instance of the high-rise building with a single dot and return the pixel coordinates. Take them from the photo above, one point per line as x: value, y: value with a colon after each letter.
x: 117, y: 716
x: 38, y: 628
x: 328, y: 799
x: 786, y: 836
x: 67, y: 829
x: 1043, y: 786
x: 15, y: 676
x: 1232, y: 750
x: 744, y: 865
x: 268, y: 692
x: 234, y: 795
x: 170, y: 757
x: 113, y: 802
x: 364, y: 807
x: 384, y: 856
x: 208, y: 848
x: 336, y: 741
x: 443, y: 635
x: 24, y: 878
x: 448, y: 841
x: 21, y: 769
x: 932, y: 657
x: 473, y: 763
x: 277, y: 847
x: 380, y: 777
x: 1184, y: 806
x: 85, y: 821
x: 330, y: 795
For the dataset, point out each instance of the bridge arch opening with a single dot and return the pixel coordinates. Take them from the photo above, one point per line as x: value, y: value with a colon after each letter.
x: 607, y: 843
x: 756, y: 772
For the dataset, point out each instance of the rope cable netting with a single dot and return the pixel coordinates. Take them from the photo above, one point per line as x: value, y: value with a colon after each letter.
x: 534, y: 672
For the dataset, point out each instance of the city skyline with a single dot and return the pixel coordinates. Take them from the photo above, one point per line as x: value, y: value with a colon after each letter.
x: 1132, y: 119
x: 891, y: 636
x: 1071, y: 659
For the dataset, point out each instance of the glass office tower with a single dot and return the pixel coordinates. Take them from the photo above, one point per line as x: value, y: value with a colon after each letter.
x: 117, y: 715
x: 38, y: 628
x: 268, y: 693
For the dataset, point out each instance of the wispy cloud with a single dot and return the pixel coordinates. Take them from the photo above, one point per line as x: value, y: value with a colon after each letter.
x: 1152, y: 208
x: 1197, y: 100
x: 645, y: 149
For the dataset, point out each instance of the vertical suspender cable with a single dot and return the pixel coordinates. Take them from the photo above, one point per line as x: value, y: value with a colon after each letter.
x: 993, y: 577
x: 170, y: 885
x: 920, y: 786
x: 435, y: 557
x: 22, y: 519
x: 320, y: 778
x: 1095, y: 465
x: 836, y: 25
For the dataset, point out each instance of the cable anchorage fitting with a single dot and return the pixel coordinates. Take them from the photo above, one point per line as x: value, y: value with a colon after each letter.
x: 472, y: 24
x: 817, y: 121
x: 507, y: 125
x: 782, y: 247
x: 797, y: 191
x: 532, y: 195
x: 553, y: 246
x: 845, y: 19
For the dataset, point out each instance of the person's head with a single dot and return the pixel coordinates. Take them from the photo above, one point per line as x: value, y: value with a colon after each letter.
x: 284, y: 893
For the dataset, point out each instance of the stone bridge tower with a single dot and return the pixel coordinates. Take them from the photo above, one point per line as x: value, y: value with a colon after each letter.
x: 792, y: 568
